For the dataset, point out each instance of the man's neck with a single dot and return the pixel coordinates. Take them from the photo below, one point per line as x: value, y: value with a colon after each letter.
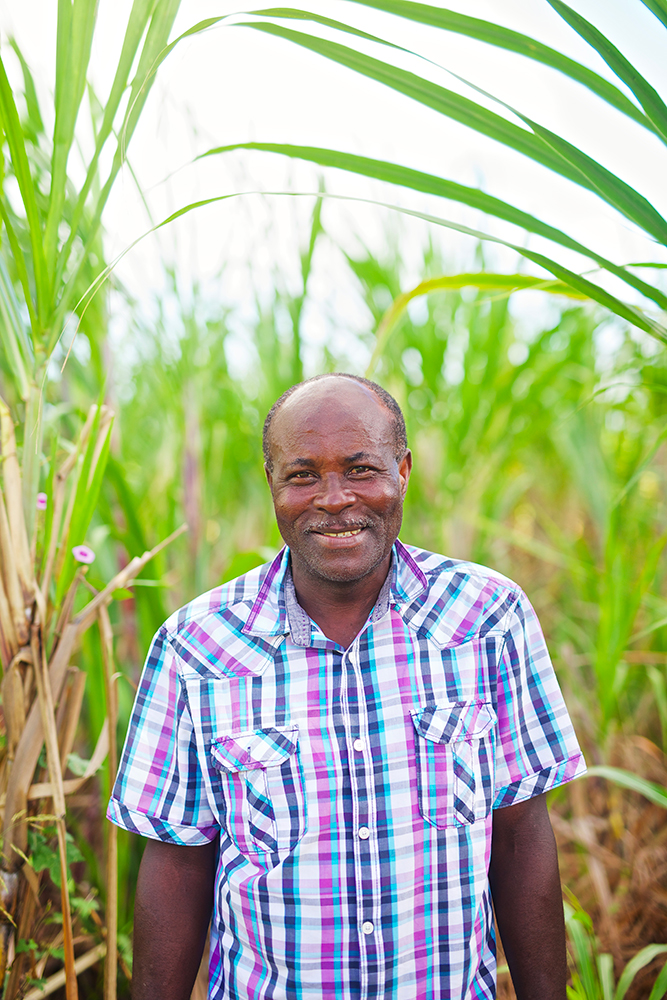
x: 340, y: 608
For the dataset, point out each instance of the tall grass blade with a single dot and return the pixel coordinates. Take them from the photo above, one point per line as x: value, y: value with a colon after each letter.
x: 139, y: 18
x: 659, y: 8
x: 445, y: 102
x: 647, y: 96
x: 12, y: 333
x: 630, y: 313
x: 551, y: 151
x: 430, y: 184
x: 9, y: 119
x: 76, y: 24
x: 626, y: 779
x: 513, y: 41
x: 641, y: 959
x: 660, y: 985
x: 507, y: 283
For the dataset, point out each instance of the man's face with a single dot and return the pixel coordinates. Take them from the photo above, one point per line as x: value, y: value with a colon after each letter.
x: 337, y: 486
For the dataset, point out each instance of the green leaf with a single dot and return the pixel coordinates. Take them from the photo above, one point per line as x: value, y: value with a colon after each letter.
x: 615, y: 191
x: 122, y: 594
x: 12, y: 127
x: 659, y: 8
x: 514, y: 41
x: 647, y: 96
x: 633, y: 315
x: 485, y: 280
x: 641, y: 959
x: 13, y: 338
x: 660, y: 985
x: 76, y: 24
x: 87, y: 492
x: 136, y: 27
x: 626, y: 779
x: 34, y: 123
x: 444, y: 101
x: 394, y: 173
x: 549, y: 150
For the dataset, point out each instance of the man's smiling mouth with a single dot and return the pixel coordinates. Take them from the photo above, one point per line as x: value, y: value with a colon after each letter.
x: 341, y: 534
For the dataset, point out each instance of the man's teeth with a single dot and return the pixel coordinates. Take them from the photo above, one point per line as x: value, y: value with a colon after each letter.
x: 341, y: 534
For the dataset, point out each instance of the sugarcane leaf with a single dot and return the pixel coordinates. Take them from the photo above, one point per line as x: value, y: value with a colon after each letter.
x: 615, y: 191
x: 394, y: 173
x: 485, y: 280
x: 14, y: 133
x: 513, y: 41
x: 636, y: 963
x: 563, y: 158
x: 632, y: 314
x: 659, y: 8
x: 87, y: 491
x: 35, y: 123
x: 76, y: 24
x: 154, y: 51
x: 660, y: 985
x: 647, y: 96
x: 136, y: 26
x: 444, y: 101
x: 19, y: 260
x: 626, y: 779
x: 12, y: 334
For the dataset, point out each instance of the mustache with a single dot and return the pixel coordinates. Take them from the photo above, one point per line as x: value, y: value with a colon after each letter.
x: 320, y: 526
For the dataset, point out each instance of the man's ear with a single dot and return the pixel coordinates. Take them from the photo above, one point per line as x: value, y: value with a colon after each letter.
x: 269, y: 476
x: 404, y: 470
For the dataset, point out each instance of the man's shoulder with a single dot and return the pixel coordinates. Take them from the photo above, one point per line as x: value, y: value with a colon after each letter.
x: 461, y: 599
x: 441, y: 571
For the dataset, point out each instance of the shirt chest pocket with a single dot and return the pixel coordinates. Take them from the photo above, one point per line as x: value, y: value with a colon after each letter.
x: 261, y: 784
x: 454, y: 749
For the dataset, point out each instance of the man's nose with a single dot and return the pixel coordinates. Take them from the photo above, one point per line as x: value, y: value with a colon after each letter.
x: 335, y: 494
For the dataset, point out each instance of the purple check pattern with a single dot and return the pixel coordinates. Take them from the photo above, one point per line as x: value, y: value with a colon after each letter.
x: 351, y: 790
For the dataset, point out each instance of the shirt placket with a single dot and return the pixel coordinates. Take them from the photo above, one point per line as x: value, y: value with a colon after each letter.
x: 364, y: 828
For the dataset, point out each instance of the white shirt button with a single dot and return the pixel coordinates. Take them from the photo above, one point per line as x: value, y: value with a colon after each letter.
x: 364, y: 833
x: 358, y: 744
x: 367, y: 927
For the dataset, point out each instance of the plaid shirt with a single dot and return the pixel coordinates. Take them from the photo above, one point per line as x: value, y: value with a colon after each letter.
x: 351, y: 790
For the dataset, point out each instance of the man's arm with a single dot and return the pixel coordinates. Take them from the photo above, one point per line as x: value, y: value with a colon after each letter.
x: 526, y: 890
x: 172, y: 911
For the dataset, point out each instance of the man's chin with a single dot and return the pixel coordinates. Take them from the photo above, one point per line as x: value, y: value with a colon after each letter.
x: 342, y: 567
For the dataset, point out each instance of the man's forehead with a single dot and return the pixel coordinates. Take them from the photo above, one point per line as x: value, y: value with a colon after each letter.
x: 340, y: 398
x: 332, y: 416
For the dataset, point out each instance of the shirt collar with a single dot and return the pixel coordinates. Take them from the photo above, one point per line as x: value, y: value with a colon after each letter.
x: 276, y: 610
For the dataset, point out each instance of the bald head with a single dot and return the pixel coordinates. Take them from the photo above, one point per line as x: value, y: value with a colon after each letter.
x: 358, y: 393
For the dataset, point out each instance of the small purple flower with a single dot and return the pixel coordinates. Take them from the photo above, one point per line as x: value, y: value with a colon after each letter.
x: 41, y: 501
x: 83, y: 554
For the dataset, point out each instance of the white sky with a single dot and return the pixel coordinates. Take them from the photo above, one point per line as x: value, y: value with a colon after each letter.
x: 233, y: 84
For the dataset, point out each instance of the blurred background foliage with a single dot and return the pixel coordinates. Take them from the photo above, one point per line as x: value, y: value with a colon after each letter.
x: 540, y: 449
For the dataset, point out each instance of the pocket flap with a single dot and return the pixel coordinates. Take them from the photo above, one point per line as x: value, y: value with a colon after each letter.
x: 259, y: 748
x: 463, y: 720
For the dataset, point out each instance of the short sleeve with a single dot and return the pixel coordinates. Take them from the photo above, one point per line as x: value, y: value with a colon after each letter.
x: 159, y: 791
x: 536, y: 746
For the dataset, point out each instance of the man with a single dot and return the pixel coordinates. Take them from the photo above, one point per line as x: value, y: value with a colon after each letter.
x: 343, y: 754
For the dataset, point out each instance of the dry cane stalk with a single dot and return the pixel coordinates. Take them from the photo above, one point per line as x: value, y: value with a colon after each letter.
x: 11, y: 580
x: 53, y: 759
x: 111, y: 963
x: 12, y: 478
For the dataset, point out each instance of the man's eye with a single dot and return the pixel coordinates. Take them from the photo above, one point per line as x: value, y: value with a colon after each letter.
x: 302, y: 475
x: 359, y: 469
